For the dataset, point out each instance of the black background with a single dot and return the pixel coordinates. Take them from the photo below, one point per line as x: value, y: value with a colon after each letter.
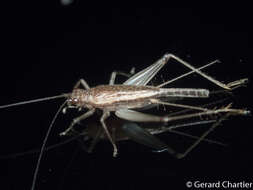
x: 46, y: 50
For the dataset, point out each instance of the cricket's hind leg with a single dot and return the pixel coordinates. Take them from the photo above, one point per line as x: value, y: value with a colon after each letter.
x: 144, y: 76
x: 186, y: 74
x: 228, y: 86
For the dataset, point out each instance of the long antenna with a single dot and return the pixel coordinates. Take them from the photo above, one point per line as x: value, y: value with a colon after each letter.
x: 34, y: 151
x: 33, y: 101
x: 44, y: 146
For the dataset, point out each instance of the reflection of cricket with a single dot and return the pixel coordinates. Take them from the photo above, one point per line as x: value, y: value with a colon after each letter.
x: 143, y: 134
x: 122, y: 130
x: 134, y: 94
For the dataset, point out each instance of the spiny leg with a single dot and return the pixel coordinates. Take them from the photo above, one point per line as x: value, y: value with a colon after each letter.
x: 184, y: 111
x: 143, y: 77
x: 156, y: 101
x: 102, y: 120
x: 238, y: 83
x: 115, y: 73
x: 225, y: 86
x: 83, y: 83
x: 77, y: 120
x: 132, y: 115
x: 186, y: 74
x: 136, y: 116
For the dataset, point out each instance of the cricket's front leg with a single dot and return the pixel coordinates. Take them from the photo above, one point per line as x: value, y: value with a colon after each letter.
x: 102, y: 120
x: 77, y: 120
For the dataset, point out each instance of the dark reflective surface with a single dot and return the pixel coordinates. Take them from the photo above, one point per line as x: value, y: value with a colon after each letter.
x: 45, y: 51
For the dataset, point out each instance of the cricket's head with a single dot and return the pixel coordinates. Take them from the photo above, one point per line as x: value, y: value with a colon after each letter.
x: 77, y: 98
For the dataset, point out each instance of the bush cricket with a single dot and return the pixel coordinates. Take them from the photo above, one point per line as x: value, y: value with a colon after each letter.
x: 126, y: 99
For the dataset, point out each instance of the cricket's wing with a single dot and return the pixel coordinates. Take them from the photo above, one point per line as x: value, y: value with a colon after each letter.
x: 143, y: 77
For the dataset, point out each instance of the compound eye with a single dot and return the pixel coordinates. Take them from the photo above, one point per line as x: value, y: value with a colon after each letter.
x: 72, y: 100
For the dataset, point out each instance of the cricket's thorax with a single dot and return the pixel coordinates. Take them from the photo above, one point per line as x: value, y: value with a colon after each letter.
x: 113, y: 97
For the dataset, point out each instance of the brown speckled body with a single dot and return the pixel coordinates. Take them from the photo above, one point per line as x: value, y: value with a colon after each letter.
x: 114, y: 97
